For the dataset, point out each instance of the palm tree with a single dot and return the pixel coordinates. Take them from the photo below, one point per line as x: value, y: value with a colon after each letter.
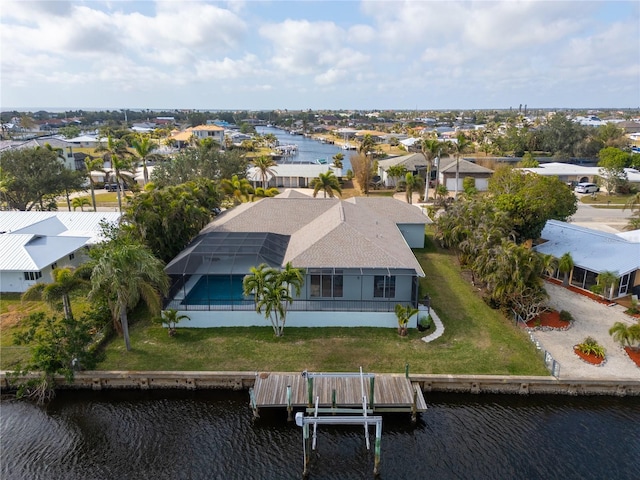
x: 404, y: 313
x: 413, y: 183
x: 80, y: 202
x: 367, y: 145
x: 120, y: 157
x: 633, y: 203
x: 239, y: 189
x: 328, y: 183
x: 458, y: 148
x: 271, y: 290
x: 93, y: 165
x: 565, y: 266
x: 172, y: 318
x: 607, y: 279
x: 396, y: 172
x: 264, y: 165
x: 337, y: 159
x: 143, y: 146
x: 66, y: 280
x: 430, y: 148
x: 622, y: 333
x: 125, y: 273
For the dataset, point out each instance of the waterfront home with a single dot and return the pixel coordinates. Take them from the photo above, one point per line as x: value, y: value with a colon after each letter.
x: 413, y: 163
x: 594, y: 252
x: 34, y: 243
x: 291, y: 175
x: 356, y: 256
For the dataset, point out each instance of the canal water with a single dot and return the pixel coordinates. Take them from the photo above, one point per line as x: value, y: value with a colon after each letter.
x: 309, y: 150
x: 158, y: 435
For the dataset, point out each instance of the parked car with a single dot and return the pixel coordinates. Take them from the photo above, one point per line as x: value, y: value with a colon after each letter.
x: 587, y: 188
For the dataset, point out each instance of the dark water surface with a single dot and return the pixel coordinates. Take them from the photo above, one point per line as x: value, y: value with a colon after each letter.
x: 211, y: 435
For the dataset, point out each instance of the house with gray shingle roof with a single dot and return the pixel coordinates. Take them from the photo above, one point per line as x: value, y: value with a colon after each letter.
x: 356, y: 255
x: 447, y: 174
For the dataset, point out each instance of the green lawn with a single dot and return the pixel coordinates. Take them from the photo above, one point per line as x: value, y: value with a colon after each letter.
x: 602, y: 200
x: 477, y: 340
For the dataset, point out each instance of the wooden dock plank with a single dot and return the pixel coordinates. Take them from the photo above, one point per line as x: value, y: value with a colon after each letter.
x: 392, y: 391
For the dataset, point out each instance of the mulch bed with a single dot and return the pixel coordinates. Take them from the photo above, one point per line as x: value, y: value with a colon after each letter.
x: 550, y: 319
x: 585, y: 293
x: 634, y: 354
x: 589, y: 358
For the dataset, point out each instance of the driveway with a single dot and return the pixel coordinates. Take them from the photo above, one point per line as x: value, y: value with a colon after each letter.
x: 590, y: 319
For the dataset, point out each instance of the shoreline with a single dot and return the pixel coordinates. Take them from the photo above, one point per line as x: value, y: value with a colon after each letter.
x: 476, y: 384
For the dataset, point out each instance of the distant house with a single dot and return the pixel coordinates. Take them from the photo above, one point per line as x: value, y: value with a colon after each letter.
x: 594, y: 252
x: 200, y: 132
x: 34, y: 243
x: 63, y: 148
x: 413, y: 163
x: 356, y: 257
x: 572, y: 174
x: 291, y: 175
x: 447, y: 174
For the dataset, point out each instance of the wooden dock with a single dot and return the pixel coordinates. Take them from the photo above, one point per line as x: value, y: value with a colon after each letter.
x: 391, y: 393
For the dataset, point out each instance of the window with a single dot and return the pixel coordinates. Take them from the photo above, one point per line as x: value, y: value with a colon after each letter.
x: 54, y: 265
x: 384, y: 286
x: 326, y: 283
x: 72, y: 256
x: 32, y: 276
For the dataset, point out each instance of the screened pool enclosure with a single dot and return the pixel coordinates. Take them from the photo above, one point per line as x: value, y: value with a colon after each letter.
x: 208, y: 275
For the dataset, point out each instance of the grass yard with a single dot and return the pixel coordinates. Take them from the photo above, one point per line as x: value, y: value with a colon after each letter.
x: 477, y: 340
x: 602, y: 200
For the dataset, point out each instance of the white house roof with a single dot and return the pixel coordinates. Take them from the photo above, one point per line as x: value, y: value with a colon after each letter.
x: 567, y: 169
x: 28, y: 252
x: 305, y: 170
x: 31, y: 241
x: 590, y: 249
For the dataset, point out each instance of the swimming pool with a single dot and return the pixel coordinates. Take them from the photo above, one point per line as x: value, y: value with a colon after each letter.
x: 215, y: 289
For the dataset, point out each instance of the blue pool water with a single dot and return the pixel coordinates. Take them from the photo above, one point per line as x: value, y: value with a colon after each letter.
x: 215, y: 289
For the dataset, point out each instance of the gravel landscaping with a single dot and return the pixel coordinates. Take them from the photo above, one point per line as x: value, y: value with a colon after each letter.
x: 593, y: 319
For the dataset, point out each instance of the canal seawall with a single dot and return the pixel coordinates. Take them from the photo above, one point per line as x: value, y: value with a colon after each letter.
x: 502, y: 384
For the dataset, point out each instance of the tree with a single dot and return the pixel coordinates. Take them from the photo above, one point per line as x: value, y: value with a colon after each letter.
x: 396, y: 172
x: 70, y: 131
x: 530, y: 200
x: 32, y: 178
x: 80, y: 202
x: 362, y: 166
x: 171, y: 318
x: 93, y: 164
x: 404, y: 313
x: 459, y: 147
x: 66, y: 280
x: 58, y: 347
x: 328, y: 183
x: 528, y: 161
x: 625, y: 334
x: 125, y: 272
x: 431, y: 149
x: 337, y: 159
x: 612, y: 163
x: 412, y: 183
x: 238, y: 189
x: 367, y: 145
x: 120, y: 158
x: 143, y: 145
x: 271, y: 290
x: 565, y: 266
x: 608, y: 281
x: 265, y: 165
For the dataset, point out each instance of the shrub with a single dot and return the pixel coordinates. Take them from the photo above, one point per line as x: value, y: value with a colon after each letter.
x: 590, y: 346
x: 566, y: 316
x: 425, y: 321
x: 597, y: 289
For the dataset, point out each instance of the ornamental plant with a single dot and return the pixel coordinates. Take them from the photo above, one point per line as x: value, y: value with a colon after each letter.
x: 590, y: 346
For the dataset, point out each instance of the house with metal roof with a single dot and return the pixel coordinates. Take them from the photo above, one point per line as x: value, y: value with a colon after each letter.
x: 34, y: 243
x: 356, y: 256
x: 594, y: 252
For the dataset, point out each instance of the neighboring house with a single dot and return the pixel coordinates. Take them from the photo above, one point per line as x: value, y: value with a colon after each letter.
x: 414, y: 163
x: 183, y: 138
x: 594, y: 252
x: 63, y: 148
x: 291, y: 175
x: 447, y: 174
x: 573, y: 174
x: 356, y: 255
x: 34, y: 243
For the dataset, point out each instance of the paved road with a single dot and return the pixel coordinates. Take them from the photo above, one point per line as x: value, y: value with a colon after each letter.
x: 606, y: 219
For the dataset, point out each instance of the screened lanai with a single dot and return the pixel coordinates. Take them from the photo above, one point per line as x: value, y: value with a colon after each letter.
x: 210, y: 269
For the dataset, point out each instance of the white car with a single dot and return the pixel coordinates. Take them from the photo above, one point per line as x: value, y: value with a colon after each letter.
x: 586, y: 188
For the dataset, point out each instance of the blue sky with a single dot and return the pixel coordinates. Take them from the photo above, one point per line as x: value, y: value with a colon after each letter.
x: 368, y: 54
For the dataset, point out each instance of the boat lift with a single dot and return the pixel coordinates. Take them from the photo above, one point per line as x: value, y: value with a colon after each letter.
x: 351, y: 417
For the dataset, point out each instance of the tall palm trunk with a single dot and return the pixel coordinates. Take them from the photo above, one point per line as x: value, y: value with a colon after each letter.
x: 124, y: 322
